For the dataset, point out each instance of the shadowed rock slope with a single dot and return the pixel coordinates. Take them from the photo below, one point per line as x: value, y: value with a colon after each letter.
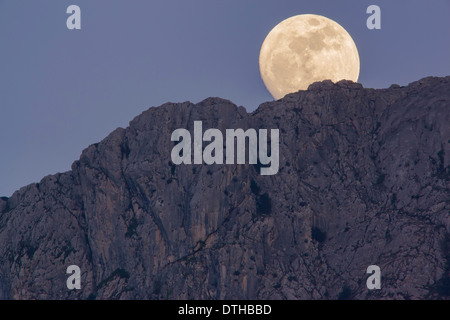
x: 364, y: 180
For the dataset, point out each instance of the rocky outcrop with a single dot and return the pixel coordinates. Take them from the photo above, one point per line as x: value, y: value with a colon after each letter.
x: 364, y: 180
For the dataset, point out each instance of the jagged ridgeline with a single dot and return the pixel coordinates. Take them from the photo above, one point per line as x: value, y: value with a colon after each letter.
x: 363, y: 180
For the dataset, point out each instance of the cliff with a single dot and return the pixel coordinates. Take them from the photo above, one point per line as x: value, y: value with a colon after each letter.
x: 363, y: 180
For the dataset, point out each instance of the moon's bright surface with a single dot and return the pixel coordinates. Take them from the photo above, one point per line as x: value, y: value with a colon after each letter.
x: 304, y: 49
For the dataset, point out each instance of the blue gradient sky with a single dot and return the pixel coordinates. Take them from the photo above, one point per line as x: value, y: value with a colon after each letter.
x: 62, y: 90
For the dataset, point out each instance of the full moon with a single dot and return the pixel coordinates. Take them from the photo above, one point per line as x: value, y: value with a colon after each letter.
x: 304, y: 49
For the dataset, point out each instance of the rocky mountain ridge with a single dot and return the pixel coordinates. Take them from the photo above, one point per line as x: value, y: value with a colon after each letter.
x: 364, y: 180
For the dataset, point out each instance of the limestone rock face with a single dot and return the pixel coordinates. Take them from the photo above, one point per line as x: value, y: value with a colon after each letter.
x: 363, y: 180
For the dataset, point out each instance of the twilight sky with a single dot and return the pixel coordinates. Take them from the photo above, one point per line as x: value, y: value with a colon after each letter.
x: 62, y: 90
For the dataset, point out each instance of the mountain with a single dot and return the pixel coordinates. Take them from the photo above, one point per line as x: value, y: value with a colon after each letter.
x: 363, y: 180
